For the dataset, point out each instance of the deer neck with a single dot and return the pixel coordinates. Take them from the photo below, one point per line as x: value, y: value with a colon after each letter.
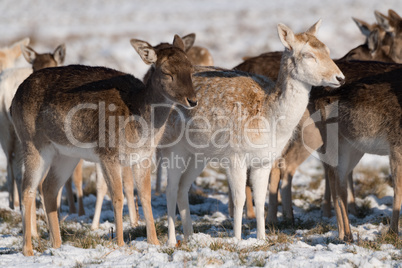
x: 293, y: 95
x: 157, y: 107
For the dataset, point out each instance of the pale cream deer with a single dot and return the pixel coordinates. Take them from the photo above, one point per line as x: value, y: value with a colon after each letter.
x: 10, y: 79
x: 296, y: 151
x: 65, y: 114
x: 9, y: 54
x: 234, y: 119
x: 8, y: 57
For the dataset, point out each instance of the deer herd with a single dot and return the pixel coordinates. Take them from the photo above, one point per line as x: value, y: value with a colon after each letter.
x: 275, y: 108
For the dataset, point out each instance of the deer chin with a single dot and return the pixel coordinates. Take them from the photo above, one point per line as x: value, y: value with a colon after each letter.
x: 188, y: 103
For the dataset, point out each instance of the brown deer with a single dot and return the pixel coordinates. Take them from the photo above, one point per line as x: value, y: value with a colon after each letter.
x: 232, y: 120
x: 369, y: 117
x: 10, y: 79
x: 65, y: 114
x: 197, y: 56
x: 295, y: 153
x: 392, y: 24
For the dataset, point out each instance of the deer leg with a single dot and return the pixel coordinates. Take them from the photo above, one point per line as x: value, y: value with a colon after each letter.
x: 237, y: 177
x: 273, y: 195
x: 259, y: 178
x: 128, y: 183
x: 396, y: 170
x: 35, y: 166
x: 142, y: 176
x: 159, y: 170
x: 326, y: 205
x: 230, y: 202
x: 174, y: 177
x: 348, y: 159
x: 188, y: 177
x: 112, y: 172
x: 77, y: 179
x: 351, y: 195
x: 286, y: 188
x: 101, y: 190
x: 70, y: 196
x: 61, y: 169
x: 250, y: 214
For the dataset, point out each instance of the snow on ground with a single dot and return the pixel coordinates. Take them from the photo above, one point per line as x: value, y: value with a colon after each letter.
x: 98, y: 33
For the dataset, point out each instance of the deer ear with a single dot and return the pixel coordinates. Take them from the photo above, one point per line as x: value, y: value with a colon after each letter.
x: 313, y: 29
x: 145, y: 50
x: 373, y: 41
x: 188, y: 41
x: 59, y: 54
x: 16, y: 47
x: 29, y: 53
x: 393, y: 15
x: 364, y: 27
x: 286, y: 36
x: 383, y: 21
x: 178, y: 42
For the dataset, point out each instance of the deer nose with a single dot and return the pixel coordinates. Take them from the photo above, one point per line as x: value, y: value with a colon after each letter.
x: 341, y: 80
x: 192, y: 103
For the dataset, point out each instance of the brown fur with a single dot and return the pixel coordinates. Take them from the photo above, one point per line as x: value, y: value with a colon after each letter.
x: 392, y: 24
x: 42, y: 103
x: 369, y: 108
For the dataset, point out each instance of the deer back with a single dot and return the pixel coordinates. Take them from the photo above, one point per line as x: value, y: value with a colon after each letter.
x: 98, y: 108
x: 368, y: 105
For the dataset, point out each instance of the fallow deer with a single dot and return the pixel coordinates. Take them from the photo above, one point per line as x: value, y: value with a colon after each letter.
x: 233, y: 121
x: 369, y: 117
x: 8, y: 57
x: 65, y: 114
x: 392, y: 24
x: 197, y: 56
x: 9, y: 54
x: 10, y: 79
x: 295, y: 152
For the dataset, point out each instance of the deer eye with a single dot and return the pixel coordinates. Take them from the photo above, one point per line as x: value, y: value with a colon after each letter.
x: 308, y: 55
x: 168, y: 75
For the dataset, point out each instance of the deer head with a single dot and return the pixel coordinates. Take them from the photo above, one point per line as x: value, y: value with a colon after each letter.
x: 172, y: 71
x: 311, y: 62
x: 46, y: 60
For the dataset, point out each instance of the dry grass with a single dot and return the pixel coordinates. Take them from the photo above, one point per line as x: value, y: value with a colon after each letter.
x: 10, y: 217
x: 82, y: 237
x: 371, y: 181
x: 383, y: 238
x: 315, y: 181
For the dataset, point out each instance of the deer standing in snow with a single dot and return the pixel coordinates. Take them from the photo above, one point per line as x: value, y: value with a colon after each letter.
x: 244, y: 120
x: 10, y: 79
x: 197, y: 56
x: 295, y: 153
x: 369, y: 115
x: 100, y: 115
x: 8, y: 57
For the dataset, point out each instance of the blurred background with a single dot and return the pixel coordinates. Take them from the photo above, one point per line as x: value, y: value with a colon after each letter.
x: 97, y: 32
